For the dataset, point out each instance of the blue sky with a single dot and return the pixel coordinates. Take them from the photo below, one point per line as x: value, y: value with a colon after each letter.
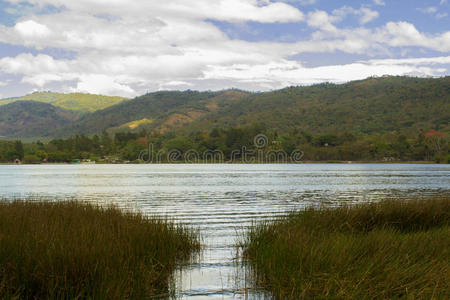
x: 128, y: 48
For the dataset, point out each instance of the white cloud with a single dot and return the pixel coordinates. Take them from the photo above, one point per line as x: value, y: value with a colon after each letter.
x: 405, y: 34
x: 365, y: 14
x: 285, y: 73
x: 321, y: 19
x: 379, y: 2
x: 428, y: 10
x: 175, y: 85
x: 301, y: 2
x: 432, y: 10
x: 102, y: 84
x: 30, y: 64
x: 258, y: 76
x: 127, y: 49
x: 31, y: 28
x: 368, y: 15
x: 412, y: 61
x: 224, y: 10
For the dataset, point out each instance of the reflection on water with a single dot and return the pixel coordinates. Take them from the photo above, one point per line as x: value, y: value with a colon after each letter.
x: 222, y: 200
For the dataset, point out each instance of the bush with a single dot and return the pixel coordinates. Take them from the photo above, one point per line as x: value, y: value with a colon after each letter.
x: 59, y: 156
x: 32, y: 159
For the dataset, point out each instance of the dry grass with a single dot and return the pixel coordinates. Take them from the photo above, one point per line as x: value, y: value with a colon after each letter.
x: 387, y: 250
x: 55, y: 250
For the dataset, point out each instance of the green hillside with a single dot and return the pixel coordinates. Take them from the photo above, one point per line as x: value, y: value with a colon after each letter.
x: 21, y: 119
x: 163, y: 111
x: 371, y: 106
x: 374, y: 105
x: 78, y: 102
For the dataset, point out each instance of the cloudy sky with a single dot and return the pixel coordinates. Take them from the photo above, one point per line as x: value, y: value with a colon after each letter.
x: 123, y: 47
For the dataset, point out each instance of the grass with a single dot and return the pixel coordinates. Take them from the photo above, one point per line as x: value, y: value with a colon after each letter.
x: 69, y: 250
x: 386, y: 250
x: 79, y: 102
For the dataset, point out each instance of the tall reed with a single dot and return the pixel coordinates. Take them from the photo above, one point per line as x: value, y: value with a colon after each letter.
x: 69, y: 250
x: 391, y: 249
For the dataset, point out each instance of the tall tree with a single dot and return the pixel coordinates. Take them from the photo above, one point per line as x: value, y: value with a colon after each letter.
x: 18, y: 149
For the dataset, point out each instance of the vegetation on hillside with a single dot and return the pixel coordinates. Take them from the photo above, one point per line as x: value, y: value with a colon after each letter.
x: 394, y: 249
x: 77, y: 102
x: 69, y: 250
x: 33, y: 119
x: 371, y: 106
x: 157, y: 107
x: 375, y: 105
x: 237, y: 144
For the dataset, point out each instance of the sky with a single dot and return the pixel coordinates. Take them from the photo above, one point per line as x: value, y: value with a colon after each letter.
x: 129, y: 48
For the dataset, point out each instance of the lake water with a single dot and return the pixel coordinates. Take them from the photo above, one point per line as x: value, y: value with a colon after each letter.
x: 222, y: 200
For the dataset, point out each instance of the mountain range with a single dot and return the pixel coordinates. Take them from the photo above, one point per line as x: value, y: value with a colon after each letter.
x: 373, y: 105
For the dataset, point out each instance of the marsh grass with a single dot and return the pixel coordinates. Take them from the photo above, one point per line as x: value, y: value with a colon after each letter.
x: 69, y: 250
x: 386, y: 250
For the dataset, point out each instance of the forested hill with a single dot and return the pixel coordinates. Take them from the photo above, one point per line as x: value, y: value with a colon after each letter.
x: 32, y: 119
x: 367, y: 106
x: 374, y: 105
x: 161, y: 111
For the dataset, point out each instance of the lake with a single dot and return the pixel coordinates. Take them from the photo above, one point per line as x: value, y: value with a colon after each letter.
x: 222, y: 200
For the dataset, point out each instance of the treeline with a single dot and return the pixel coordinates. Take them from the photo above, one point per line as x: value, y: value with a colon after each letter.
x: 233, y: 143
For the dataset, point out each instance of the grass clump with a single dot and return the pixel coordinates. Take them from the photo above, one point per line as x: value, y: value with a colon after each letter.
x: 385, y: 250
x: 69, y: 250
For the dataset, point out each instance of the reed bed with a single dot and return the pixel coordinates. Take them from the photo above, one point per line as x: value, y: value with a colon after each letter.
x: 70, y: 250
x: 393, y: 249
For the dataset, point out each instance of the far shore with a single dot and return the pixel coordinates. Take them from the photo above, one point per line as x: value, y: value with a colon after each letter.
x: 235, y: 163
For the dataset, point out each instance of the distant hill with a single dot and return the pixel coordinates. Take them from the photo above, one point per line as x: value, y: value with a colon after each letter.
x: 32, y: 119
x: 162, y: 111
x: 78, y: 102
x: 374, y: 105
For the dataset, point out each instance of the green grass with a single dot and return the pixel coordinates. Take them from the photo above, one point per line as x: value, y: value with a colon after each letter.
x: 69, y: 250
x: 387, y: 250
x: 78, y: 102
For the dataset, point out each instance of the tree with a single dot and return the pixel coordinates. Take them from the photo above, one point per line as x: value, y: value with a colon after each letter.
x: 179, y: 143
x: 32, y: 159
x: 18, y: 149
x: 215, y: 133
x: 402, y: 146
x: 106, y: 142
x: 42, y: 154
x: 326, y: 140
x: 59, y: 156
x: 436, y: 141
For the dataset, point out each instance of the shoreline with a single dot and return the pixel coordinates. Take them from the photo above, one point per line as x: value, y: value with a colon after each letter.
x: 241, y: 163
